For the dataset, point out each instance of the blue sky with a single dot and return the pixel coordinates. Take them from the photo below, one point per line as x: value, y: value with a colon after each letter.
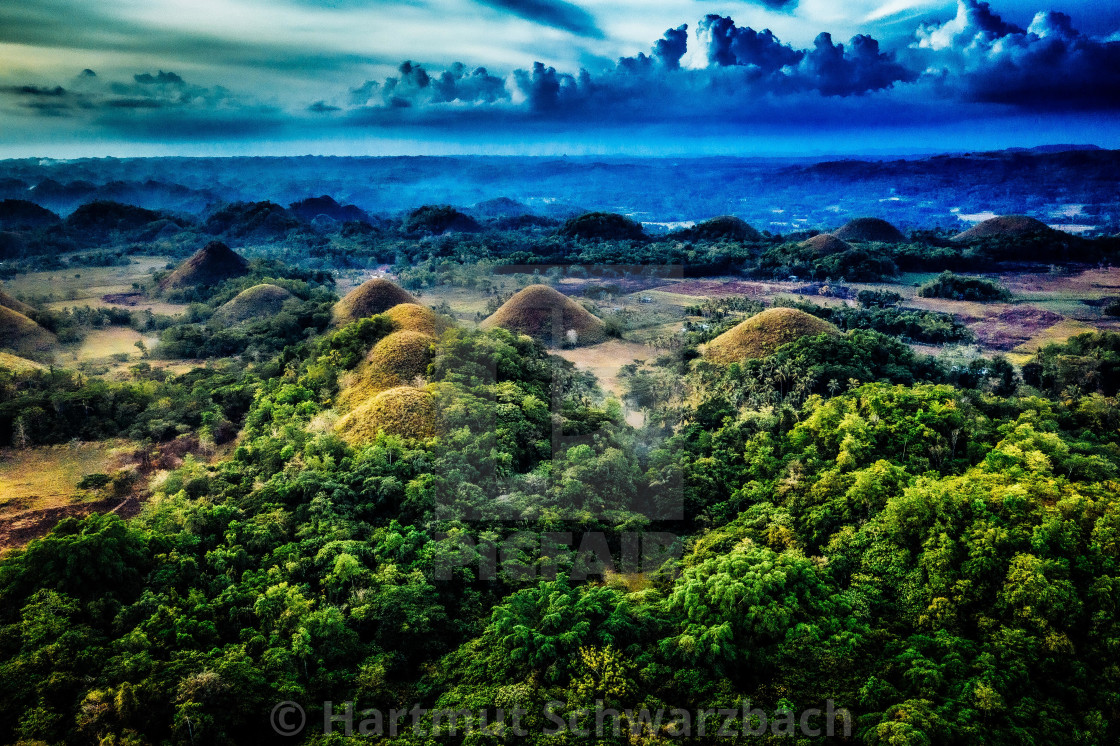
x: 120, y: 77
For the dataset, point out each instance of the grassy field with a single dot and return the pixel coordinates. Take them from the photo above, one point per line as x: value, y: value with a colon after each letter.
x: 606, y: 360
x: 102, y: 344
x: 1059, y: 332
x: 35, y: 479
x: 87, y: 286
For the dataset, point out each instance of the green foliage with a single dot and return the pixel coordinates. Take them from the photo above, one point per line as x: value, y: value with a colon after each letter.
x: 602, y: 225
x: 927, y: 327
x: 934, y: 549
x: 878, y: 298
x: 956, y: 287
x: 1086, y: 363
x: 57, y: 406
x: 867, y: 263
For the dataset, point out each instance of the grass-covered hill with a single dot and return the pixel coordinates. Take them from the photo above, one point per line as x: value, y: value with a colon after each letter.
x: 209, y: 266
x: 259, y: 301
x: 1005, y: 226
x: 869, y: 229
x: 762, y: 334
x: 548, y: 315
x: 370, y: 298
x: 24, y: 337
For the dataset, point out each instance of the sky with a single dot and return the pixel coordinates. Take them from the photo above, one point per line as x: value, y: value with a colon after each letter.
x: 626, y: 77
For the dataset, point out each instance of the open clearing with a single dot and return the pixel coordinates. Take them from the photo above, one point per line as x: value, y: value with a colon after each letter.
x: 606, y: 360
x: 38, y: 486
x: 47, y: 476
x: 101, y: 345
x: 1059, y: 332
x: 88, y: 286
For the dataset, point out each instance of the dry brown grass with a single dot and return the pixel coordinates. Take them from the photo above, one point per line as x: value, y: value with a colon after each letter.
x: 47, y: 476
x: 101, y: 345
x: 548, y: 316
x: 396, y: 360
x: 1005, y: 225
x: 405, y: 411
x: 259, y: 301
x: 762, y: 334
x: 369, y: 299
x: 23, y: 336
x: 7, y: 301
x: 18, y: 364
x: 413, y: 317
x: 1057, y: 333
x: 826, y: 243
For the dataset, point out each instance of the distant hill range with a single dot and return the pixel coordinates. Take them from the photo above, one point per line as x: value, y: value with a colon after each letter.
x: 1063, y: 183
x: 1053, y: 149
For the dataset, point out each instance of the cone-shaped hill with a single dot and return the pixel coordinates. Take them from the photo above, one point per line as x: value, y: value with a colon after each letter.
x: 19, y: 306
x: 868, y: 230
x: 727, y: 227
x: 23, y: 336
x: 548, y: 316
x: 764, y: 333
x: 259, y: 301
x: 369, y: 299
x: 394, y: 361
x: 825, y: 244
x: 405, y: 411
x: 210, y: 265
x: 413, y: 317
x: 1013, y: 226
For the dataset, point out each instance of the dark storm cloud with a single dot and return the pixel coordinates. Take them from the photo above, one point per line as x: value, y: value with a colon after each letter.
x: 836, y: 70
x: 729, y: 45
x: 748, y: 72
x: 786, y: 5
x: 975, y: 65
x: 670, y: 48
x: 554, y: 13
x: 1049, y: 65
x: 830, y: 68
x: 413, y: 86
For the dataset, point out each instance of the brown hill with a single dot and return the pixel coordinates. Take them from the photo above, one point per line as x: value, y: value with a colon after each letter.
x: 210, y: 265
x: 404, y: 411
x: 23, y: 336
x: 870, y: 229
x: 370, y: 298
x: 725, y: 227
x: 19, y: 306
x: 1005, y: 225
x: 394, y: 361
x: 764, y: 333
x: 18, y: 364
x: 548, y: 316
x: 826, y: 243
x: 413, y: 317
x: 259, y: 301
